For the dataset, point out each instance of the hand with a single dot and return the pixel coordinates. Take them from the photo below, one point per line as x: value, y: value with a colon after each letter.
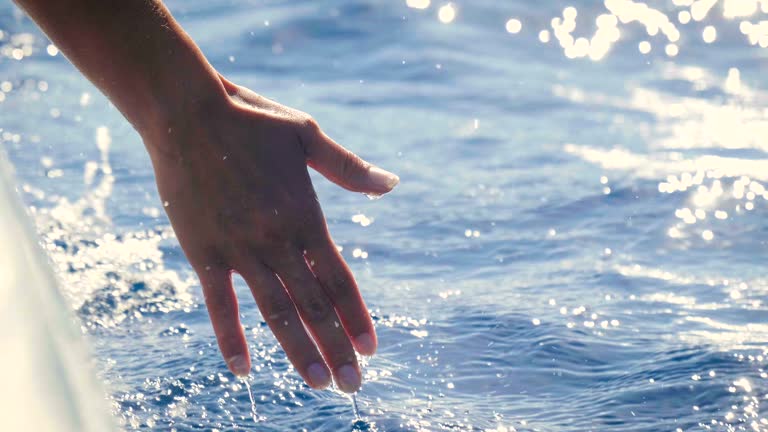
x: 234, y: 182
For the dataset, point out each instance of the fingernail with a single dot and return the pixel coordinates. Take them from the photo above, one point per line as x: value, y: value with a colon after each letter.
x: 348, y: 379
x: 319, y: 377
x: 383, y: 179
x: 239, y: 365
x: 365, y: 344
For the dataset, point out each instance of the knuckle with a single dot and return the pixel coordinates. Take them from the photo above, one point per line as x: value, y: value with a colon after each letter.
x: 350, y: 165
x: 315, y: 309
x: 339, y: 287
x: 309, y: 124
x: 279, y: 307
x: 308, y: 133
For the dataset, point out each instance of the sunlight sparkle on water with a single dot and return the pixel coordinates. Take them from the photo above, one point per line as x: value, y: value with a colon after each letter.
x: 703, y: 163
x: 447, y: 13
x: 709, y: 34
x: 418, y: 4
x: 514, y: 26
x: 743, y: 8
x: 671, y: 50
x: 625, y: 12
x: 362, y: 219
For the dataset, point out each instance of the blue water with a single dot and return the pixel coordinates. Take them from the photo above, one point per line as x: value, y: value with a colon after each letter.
x: 576, y: 244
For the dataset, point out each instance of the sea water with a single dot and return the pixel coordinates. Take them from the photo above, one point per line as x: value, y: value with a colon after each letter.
x: 577, y: 242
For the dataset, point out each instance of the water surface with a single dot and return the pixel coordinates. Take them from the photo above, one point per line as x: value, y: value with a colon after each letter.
x: 577, y: 242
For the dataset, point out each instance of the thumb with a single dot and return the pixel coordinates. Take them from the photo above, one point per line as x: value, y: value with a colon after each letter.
x: 345, y: 168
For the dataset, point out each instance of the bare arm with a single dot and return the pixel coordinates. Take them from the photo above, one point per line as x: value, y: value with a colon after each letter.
x: 231, y: 168
x: 134, y: 51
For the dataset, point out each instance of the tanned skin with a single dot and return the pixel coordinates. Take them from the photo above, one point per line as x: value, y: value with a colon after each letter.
x: 231, y: 170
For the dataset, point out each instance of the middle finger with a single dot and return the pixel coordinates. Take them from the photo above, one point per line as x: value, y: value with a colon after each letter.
x: 318, y: 314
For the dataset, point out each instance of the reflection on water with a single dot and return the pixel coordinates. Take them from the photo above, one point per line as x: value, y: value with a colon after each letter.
x: 620, y: 13
x: 576, y: 243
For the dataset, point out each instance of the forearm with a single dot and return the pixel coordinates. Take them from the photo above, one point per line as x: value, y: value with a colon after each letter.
x: 135, y: 52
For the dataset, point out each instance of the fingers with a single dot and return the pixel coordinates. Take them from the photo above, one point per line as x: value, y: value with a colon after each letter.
x: 222, y: 307
x: 345, y: 168
x: 318, y: 314
x: 279, y: 312
x: 340, y: 287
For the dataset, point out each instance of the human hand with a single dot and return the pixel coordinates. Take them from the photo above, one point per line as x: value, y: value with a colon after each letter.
x: 233, y: 178
x: 232, y: 168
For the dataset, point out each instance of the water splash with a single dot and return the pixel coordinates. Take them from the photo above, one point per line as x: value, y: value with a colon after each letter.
x: 108, y: 278
x: 363, y: 426
x: 359, y: 423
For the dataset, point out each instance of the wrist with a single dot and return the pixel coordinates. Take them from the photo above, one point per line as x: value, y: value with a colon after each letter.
x: 178, y: 84
x: 176, y: 120
x: 185, y: 94
x: 181, y: 116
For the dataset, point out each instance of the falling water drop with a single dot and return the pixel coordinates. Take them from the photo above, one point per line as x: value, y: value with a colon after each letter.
x: 355, y: 409
x: 372, y: 196
x: 253, y: 401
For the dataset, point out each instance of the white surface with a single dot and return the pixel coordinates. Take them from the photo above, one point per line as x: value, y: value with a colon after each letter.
x: 46, y: 382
